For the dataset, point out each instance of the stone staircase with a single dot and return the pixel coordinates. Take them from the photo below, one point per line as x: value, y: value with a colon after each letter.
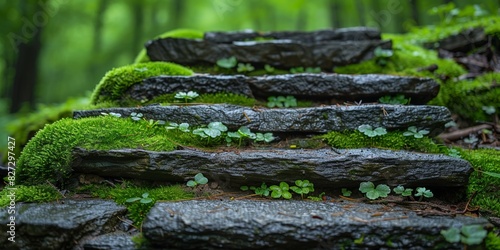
x: 278, y: 224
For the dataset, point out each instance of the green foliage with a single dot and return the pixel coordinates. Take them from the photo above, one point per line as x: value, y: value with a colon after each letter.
x: 177, y: 33
x: 242, y: 133
x: 413, y: 131
x: 48, y: 155
x: 245, y: 67
x: 38, y: 193
x: 262, y: 190
x: 186, y: 96
x: 213, y: 130
x: 423, y: 192
x: 281, y: 191
x: 392, y: 140
x: 199, y: 179
x: 468, y: 234
x: 403, y: 191
x: 398, y: 99
x: 382, y: 55
x: 346, y: 192
x: 298, y: 70
x: 467, y: 97
x: 370, y: 132
x: 266, y: 137
x: 281, y: 101
x: 373, y: 192
x: 183, y: 127
x: 227, y: 63
x: 485, y: 186
x: 118, y: 80
x: 144, y: 199
x: 316, y: 198
x: 302, y: 187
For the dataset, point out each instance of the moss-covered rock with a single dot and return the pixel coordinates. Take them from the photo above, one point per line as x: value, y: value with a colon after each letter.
x: 177, y: 33
x: 38, y: 193
x: 47, y: 156
x: 117, y: 80
x: 468, y: 97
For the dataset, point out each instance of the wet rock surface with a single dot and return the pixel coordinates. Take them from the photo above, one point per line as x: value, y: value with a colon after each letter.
x: 326, y: 86
x: 277, y: 53
x: 312, y: 120
x: 247, y: 224
x: 59, y: 225
x: 343, y: 34
x: 323, y: 167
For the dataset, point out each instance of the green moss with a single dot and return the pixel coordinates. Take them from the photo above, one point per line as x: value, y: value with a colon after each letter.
x: 177, y: 33
x: 391, y: 140
x: 117, y: 80
x: 137, y: 210
x: 47, y: 156
x: 487, y: 187
x: 466, y: 98
x: 492, y: 241
x: 39, y: 193
x: 406, y: 60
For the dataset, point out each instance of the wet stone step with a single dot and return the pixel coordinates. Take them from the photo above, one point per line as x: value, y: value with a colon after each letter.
x: 343, y: 34
x: 277, y: 53
x: 325, y: 168
x: 250, y: 224
x: 315, y: 119
x: 368, y: 88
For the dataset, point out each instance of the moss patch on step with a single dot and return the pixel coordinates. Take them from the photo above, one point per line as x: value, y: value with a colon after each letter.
x: 468, y: 97
x: 117, y: 80
x: 177, y: 33
x: 487, y: 187
x: 38, y: 193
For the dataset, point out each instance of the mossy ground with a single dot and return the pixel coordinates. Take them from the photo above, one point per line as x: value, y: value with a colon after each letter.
x: 116, y: 81
x: 36, y: 193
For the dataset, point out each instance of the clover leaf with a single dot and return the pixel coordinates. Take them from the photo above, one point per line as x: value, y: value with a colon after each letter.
x: 227, y: 63
x: 370, y: 132
x: 145, y: 199
x: 423, y: 192
x: 346, y: 192
x: 280, y: 191
x: 199, y: 179
x: 136, y: 116
x: 186, y: 96
x: 302, y: 187
x: 281, y: 101
x: 267, y: 137
x: 468, y: 234
x: 373, y: 192
x: 245, y: 67
x: 403, y: 191
x: 413, y: 131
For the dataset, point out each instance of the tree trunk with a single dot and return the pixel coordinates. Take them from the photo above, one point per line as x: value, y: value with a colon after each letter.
x: 334, y: 6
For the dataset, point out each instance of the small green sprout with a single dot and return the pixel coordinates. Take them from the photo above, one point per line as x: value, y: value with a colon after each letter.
x: 199, y: 179
x: 468, y: 234
x: 136, y: 116
x: 423, y: 192
x: 263, y: 190
x: 184, y: 127
x: 144, y: 199
x: 242, y: 133
x: 346, y: 192
x: 245, y: 67
x: 403, y: 191
x: 269, y: 68
x: 382, y: 55
x: 213, y: 130
x: 395, y: 100
x: 281, y: 191
x: 267, y: 137
x: 187, y: 96
x: 369, y: 131
x: 454, y: 153
x: 316, y: 198
x: 281, y: 101
x: 413, y: 131
x: 373, y: 192
x: 471, y: 139
x: 302, y: 187
x: 227, y: 63
x: 489, y: 110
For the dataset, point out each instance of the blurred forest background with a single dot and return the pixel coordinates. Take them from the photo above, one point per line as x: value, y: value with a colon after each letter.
x: 53, y: 50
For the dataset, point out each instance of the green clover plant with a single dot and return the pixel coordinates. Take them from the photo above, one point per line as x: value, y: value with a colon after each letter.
x: 281, y: 191
x: 213, y: 130
x: 136, y: 116
x: 413, y: 131
x: 302, y: 187
x: 346, y: 192
x: 269, y: 68
x: 263, y: 190
x: 281, y: 101
x: 242, y: 133
x: 316, y: 198
x: 245, y: 67
x: 186, y: 96
x: 382, y: 55
x: 423, y: 192
x: 369, y: 131
x: 373, y: 192
x: 267, y: 137
x: 184, y: 127
x: 227, y: 63
x: 199, y: 179
x: 468, y: 234
x: 403, y: 191
x: 398, y: 99
x: 144, y: 199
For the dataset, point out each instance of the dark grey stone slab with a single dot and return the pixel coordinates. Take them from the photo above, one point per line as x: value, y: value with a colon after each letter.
x: 313, y: 86
x: 316, y: 119
x: 247, y: 224
x: 111, y: 241
x: 59, y: 225
x: 277, y: 53
x: 324, y: 167
x: 343, y: 34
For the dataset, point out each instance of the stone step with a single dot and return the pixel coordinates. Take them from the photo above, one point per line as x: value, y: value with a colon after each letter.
x: 325, y: 168
x: 368, y: 88
x: 59, y: 225
x: 307, y: 120
x: 277, y: 53
x: 250, y: 224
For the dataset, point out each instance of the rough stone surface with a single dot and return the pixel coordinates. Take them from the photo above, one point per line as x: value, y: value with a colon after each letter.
x: 343, y: 34
x: 155, y: 86
x: 247, y: 224
x: 316, y: 119
x: 332, y: 86
x: 277, y: 53
x: 59, y: 225
x: 324, y: 167
x: 122, y: 241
